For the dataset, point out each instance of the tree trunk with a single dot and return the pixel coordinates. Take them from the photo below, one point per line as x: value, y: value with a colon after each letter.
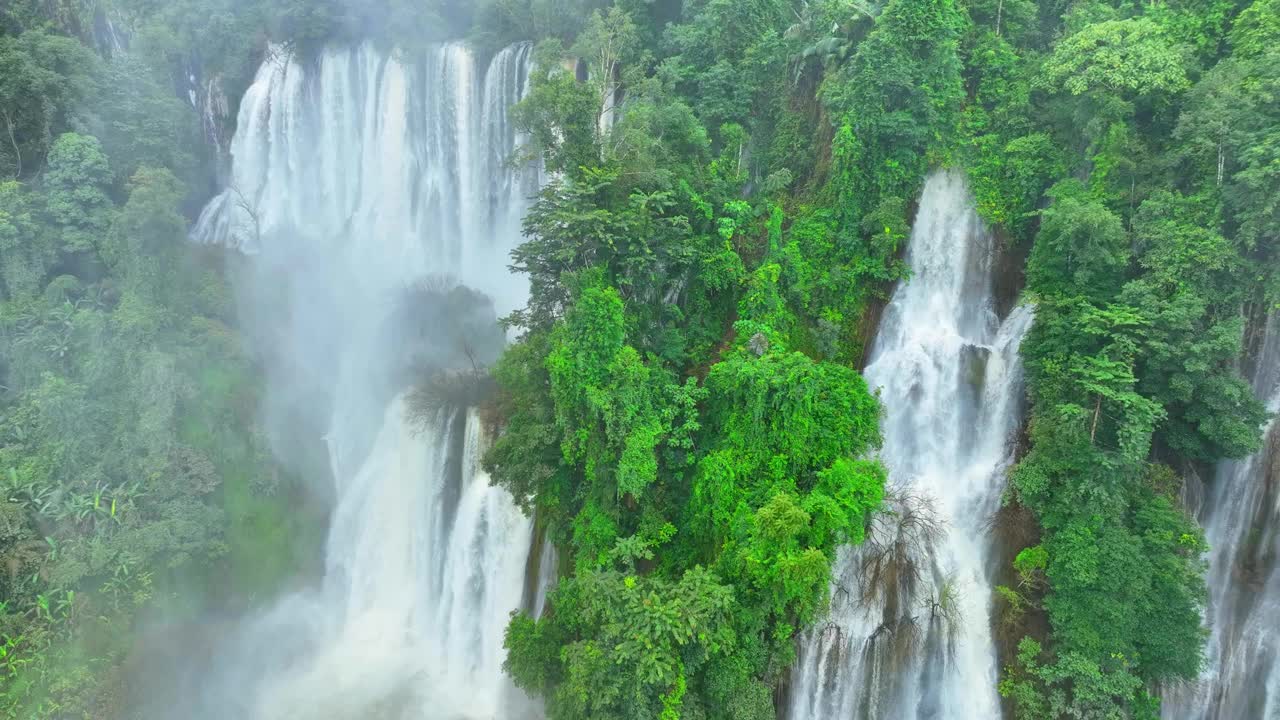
x: 1097, y: 411
x: 17, y: 153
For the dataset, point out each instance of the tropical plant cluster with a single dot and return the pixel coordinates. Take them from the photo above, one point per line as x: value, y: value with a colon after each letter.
x: 733, y: 184
x: 132, y: 480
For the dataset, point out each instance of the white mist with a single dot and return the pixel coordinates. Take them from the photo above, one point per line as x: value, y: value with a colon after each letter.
x: 356, y: 177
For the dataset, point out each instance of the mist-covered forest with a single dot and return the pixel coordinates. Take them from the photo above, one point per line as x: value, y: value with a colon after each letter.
x: 639, y: 359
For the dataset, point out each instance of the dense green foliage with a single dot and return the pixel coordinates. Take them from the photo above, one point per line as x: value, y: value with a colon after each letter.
x: 1123, y: 150
x: 1146, y: 274
x: 668, y: 413
x: 132, y: 479
x: 684, y: 412
x: 701, y: 512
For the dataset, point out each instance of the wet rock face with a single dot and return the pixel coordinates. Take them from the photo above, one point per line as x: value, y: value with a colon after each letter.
x: 207, y: 96
x: 108, y: 37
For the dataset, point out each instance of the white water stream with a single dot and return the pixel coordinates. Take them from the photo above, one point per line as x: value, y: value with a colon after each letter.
x: 951, y: 384
x: 355, y: 178
x: 1241, y: 519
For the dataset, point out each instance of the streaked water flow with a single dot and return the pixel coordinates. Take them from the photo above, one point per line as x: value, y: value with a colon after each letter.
x: 1241, y: 519
x: 909, y: 635
x: 358, y: 180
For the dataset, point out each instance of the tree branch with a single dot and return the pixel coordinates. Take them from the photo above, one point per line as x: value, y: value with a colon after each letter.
x: 17, y: 153
x: 252, y: 211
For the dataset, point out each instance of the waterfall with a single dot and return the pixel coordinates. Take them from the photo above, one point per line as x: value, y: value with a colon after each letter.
x: 358, y: 180
x: 909, y: 634
x: 1241, y: 519
x: 107, y: 37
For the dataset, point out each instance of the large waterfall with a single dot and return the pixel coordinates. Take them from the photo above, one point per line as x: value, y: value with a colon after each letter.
x: 1241, y: 518
x: 359, y: 180
x: 910, y: 629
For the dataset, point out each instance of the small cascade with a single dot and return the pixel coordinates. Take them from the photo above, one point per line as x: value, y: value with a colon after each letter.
x: 110, y: 40
x: 204, y: 93
x: 544, y: 578
x: 484, y: 554
x: 909, y: 634
x: 372, y: 194
x: 1241, y: 519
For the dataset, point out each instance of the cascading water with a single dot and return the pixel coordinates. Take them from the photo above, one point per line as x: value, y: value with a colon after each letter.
x: 909, y: 634
x: 1241, y: 519
x: 358, y: 179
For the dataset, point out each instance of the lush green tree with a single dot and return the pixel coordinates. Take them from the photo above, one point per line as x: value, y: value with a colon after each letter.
x: 496, y: 23
x: 607, y: 398
x: 897, y: 102
x: 1129, y: 57
x: 1228, y: 135
x: 559, y: 114
x: 43, y: 80
x: 26, y: 253
x: 139, y: 122
x: 625, y: 645
x: 609, y: 42
x: 75, y: 183
x: 128, y: 459
x: 1195, y: 329
x: 1132, y: 357
x: 726, y: 55
x: 1082, y: 248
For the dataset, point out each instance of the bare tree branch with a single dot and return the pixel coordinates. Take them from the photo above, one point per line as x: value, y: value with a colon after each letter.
x: 17, y: 153
x: 251, y: 210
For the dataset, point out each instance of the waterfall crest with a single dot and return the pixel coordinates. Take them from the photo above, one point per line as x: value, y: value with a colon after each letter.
x: 909, y: 634
x: 358, y: 180
x: 1241, y: 519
